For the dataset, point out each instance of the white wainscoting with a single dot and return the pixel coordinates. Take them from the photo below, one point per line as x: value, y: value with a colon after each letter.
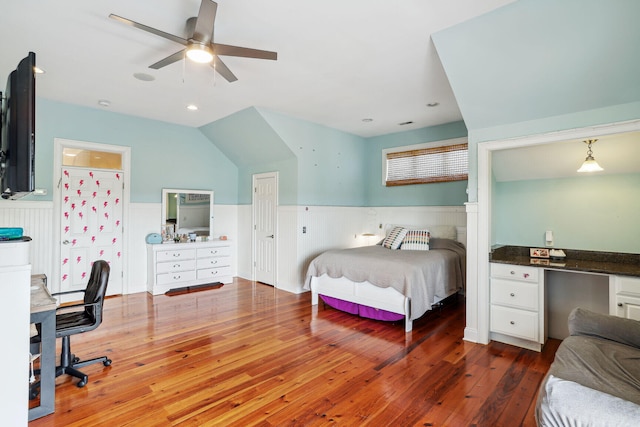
x: 36, y: 220
x: 327, y: 227
x: 144, y: 218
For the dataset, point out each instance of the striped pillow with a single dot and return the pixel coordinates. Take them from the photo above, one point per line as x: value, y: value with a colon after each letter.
x: 394, y: 238
x: 416, y: 240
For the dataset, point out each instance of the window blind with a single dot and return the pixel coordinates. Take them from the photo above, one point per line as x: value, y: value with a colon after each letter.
x: 437, y: 164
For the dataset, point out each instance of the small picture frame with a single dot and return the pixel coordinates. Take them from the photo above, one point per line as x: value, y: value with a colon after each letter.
x: 539, y: 253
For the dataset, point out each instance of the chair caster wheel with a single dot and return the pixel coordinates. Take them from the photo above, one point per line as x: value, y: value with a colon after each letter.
x: 107, y: 362
x: 81, y: 383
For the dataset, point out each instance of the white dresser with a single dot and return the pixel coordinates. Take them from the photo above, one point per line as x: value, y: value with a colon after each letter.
x: 179, y: 265
x: 517, y: 306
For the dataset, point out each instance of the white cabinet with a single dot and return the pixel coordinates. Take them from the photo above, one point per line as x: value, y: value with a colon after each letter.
x: 517, y: 306
x: 15, y: 283
x: 179, y: 265
x: 625, y: 301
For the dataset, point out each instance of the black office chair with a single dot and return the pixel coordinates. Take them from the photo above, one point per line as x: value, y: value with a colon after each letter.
x: 77, y: 319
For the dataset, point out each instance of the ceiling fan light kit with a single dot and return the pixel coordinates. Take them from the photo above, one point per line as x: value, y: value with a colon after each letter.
x: 199, y: 45
x: 199, y: 53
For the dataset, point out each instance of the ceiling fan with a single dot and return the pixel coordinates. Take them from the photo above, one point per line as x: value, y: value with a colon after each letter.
x: 199, y: 45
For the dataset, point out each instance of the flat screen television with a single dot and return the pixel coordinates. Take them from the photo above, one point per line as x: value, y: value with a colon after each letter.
x: 17, y: 136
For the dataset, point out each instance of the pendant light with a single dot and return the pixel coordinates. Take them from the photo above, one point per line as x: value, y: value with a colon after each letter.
x: 590, y: 164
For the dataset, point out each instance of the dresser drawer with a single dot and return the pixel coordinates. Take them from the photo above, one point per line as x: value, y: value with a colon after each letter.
x: 214, y: 273
x: 214, y: 262
x: 513, y: 322
x: 176, y: 277
x: 175, y: 255
x: 215, y: 251
x: 514, y: 294
x: 515, y: 272
x: 177, y: 265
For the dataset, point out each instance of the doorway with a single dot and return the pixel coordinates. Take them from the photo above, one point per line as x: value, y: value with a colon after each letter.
x: 91, y: 200
x: 265, y: 224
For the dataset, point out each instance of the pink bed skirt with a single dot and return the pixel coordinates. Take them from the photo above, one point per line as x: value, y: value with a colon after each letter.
x: 361, y: 310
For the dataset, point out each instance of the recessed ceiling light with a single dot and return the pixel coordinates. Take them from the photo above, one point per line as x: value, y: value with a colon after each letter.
x: 104, y: 102
x: 144, y: 77
x: 367, y: 120
x: 433, y: 104
x: 192, y: 107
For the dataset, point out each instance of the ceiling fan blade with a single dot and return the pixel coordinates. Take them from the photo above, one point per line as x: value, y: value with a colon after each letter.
x: 149, y: 29
x: 223, y: 70
x: 203, y: 31
x: 168, y: 60
x: 245, y: 52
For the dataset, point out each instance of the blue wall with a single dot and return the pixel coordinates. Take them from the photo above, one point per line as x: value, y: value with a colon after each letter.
x: 330, y: 163
x: 587, y: 212
x: 163, y: 155
x: 437, y: 194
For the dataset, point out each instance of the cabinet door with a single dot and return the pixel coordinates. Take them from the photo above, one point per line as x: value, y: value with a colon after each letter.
x: 628, y: 307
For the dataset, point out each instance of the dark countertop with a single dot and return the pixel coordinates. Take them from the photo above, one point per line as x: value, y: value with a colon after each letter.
x: 623, y: 264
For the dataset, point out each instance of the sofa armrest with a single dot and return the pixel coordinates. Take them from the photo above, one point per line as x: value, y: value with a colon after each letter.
x: 585, y: 322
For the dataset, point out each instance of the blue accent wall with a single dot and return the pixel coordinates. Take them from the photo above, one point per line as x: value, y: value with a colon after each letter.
x: 163, y: 155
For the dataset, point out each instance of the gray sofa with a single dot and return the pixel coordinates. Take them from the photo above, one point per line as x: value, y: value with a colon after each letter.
x: 595, y: 377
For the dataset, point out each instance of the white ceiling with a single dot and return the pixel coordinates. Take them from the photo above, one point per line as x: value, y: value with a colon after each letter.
x: 616, y: 154
x: 338, y: 61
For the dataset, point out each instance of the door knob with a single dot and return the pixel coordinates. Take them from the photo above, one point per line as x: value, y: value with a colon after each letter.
x: 271, y: 237
x: 65, y: 242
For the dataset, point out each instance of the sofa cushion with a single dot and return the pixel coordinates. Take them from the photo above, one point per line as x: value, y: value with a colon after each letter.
x: 566, y: 403
x: 585, y: 322
x: 600, y: 364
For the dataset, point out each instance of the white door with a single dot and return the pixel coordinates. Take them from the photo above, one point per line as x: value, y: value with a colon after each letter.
x: 91, y: 226
x: 265, y: 220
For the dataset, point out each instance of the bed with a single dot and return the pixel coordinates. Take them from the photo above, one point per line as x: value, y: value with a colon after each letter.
x: 388, y: 283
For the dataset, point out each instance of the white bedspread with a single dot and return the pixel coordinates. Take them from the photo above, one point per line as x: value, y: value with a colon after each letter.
x: 420, y: 275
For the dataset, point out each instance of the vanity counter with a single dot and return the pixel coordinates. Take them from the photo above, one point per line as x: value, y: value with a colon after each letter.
x: 616, y: 263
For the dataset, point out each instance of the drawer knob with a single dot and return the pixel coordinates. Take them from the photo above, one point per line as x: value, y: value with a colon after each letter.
x: 176, y: 255
x: 512, y: 322
x: 512, y: 294
x: 513, y: 272
x: 526, y: 275
x: 176, y: 277
x: 619, y: 304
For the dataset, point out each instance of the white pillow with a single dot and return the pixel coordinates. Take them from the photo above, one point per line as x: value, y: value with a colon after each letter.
x: 416, y: 240
x: 394, y: 238
x: 444, y: 231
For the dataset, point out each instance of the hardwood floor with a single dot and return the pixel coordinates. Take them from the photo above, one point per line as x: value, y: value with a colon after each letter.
x: 246, y: 354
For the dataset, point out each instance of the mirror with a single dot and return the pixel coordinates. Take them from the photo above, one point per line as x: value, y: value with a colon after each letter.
x: 186, y: 211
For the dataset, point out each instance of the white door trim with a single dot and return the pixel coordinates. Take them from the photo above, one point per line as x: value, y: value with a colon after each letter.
x: 255, y: 177
x: 58, y: 145
x: 478, y: 320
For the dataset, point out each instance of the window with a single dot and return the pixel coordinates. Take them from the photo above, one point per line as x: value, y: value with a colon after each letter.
x: 427, y: 163
x: 91, y: 158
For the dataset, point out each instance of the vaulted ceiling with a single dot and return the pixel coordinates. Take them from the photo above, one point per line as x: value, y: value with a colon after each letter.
x: 339, y: 62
